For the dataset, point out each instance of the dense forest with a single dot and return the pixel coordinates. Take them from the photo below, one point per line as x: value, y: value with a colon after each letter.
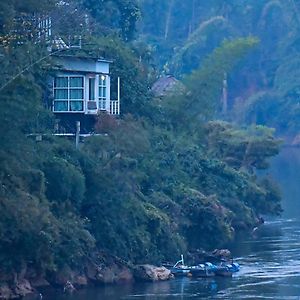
x: 264, y: 90
x: 172, y: 174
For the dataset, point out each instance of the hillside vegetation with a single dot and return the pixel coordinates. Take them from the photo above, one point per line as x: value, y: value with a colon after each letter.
x: 264, y: 90
x: 166, y: 178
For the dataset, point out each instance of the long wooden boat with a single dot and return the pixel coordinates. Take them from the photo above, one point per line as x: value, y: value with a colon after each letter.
x: 203, y: 270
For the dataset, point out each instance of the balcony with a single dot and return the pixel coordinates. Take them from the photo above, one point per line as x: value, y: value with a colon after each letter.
x: 114, y: 107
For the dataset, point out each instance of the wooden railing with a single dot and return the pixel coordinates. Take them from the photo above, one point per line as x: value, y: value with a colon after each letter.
x: 115, y: 104
x: 114, y: 107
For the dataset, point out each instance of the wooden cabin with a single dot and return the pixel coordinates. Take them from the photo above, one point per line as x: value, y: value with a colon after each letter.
x: 81, y: 89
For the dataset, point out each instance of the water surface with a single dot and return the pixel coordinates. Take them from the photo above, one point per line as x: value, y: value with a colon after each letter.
x: 270, y: 269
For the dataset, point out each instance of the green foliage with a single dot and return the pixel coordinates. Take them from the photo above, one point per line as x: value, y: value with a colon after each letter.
x: 155, y: 183
x: 31, y: 229
x: 203, y: 88
x: 195, y: 28
x: 193, y: 193
x: 64, y: 181
x: 107, y: 12
x: 207, y: 92
x: 247, y: 149
x: 11, y: 9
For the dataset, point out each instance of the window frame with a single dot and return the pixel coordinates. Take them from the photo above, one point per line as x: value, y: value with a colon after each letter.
x: 102, y: 85
x: 69, y: 88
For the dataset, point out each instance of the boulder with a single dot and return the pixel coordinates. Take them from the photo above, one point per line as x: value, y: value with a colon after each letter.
x: 92, y: 270
x: 152, y: 273
x: 106, y: 275
x: 124, y: 275
x: 23, y: 288
x: 111, y: 273
x: 114, y: 274
x: 39, y: 282
x: 222, y: 253
x: 80, y: 281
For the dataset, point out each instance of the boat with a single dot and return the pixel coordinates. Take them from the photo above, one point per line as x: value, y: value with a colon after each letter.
x: 203, y: 270
x: 233, y: 267
x: 179, y: 269
x: 206, y: 269
x: 227, y: 270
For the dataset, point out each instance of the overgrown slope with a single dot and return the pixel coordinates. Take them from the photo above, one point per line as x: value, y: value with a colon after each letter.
x: 163, y: 179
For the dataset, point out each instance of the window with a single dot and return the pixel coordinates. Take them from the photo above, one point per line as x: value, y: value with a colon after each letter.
x: 102, y: 92
x: 92, y: 89
x: 92, y: 104
x: 68, y: 93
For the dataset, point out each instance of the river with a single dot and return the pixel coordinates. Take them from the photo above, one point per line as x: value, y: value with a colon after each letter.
x: 270, y: 260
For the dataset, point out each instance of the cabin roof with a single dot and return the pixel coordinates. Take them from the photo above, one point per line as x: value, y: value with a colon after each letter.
x: 82, y: 64
x: 165, y: 85
x: 82, y: 57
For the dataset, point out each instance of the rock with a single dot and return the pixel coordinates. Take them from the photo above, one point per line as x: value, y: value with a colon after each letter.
x: 39, y: 282
x: 5, y: 291
x: 222, y: 253
x: 106, y: 275
x: 152, y: 273
x: 114, y: 274
x: 91, y: 271
x: 80, y: 280
x: 23, y: 288
x: 125, y: 275
x: 111, y: 272
x: 68, y: 278
x: 163, y: 273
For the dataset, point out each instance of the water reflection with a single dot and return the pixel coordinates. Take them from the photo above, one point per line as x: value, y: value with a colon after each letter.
x: 180, y: 289
x: 271, y: 270
x: 285, y: 168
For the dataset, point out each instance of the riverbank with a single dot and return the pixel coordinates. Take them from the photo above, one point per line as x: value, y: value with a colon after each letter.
x: 100, y: 270
x: 269, y: 268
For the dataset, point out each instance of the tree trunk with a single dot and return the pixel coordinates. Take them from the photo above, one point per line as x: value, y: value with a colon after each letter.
x: 225, y: 95
x: 168, y: 19
x: 192, y: 21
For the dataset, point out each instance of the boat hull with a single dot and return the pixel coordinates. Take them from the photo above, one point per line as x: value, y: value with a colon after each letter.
x: 223, y: 273
x: 180, y: 272
x: 201, y: 273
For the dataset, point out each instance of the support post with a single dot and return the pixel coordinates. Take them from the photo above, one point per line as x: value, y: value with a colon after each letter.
x: 182, y: 260
x: 225, y: 95
x: 77, y: 134
x: 119, y: 94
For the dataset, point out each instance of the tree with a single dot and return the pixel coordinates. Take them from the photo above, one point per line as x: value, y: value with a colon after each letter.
x: 106, y: 12
x: 242, y: 149
x: 203, y: 87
